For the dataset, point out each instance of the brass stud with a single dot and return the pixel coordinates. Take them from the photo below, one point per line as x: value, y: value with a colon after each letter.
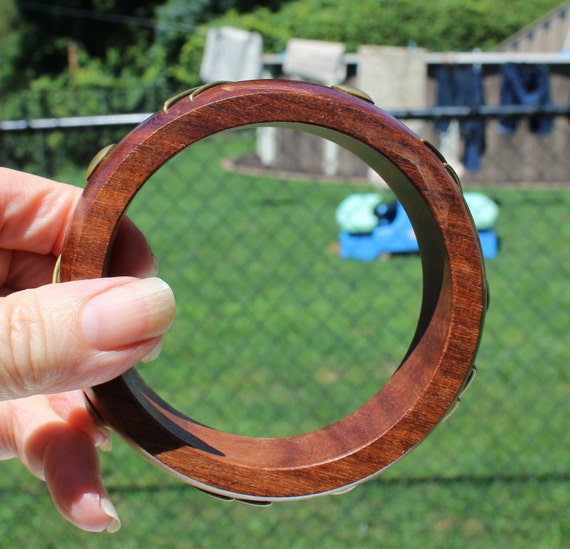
x: 55, y: 277
x: 344, y: 490
x: 255, y: 503
x: 214, y: 495
x: 470, y: 377
x: 97, y: 159
x: 354, y: 92
x: 446, y: 164
x: 191, y: 93
x: 175, y: 98
x: 205, y: 87
x: 453, y: 174
x: 451, y: 411
x: 227, y: 498
x: 435, y: 150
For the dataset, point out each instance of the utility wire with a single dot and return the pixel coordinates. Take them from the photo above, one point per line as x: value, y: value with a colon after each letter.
x: 78, y: 13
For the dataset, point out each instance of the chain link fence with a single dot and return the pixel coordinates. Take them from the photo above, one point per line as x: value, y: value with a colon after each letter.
x: 277, y: 334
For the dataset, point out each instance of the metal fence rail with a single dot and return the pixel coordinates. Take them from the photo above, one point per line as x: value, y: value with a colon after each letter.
x: 500, y: 151
x: 431, y: 113
x: 72, y: 122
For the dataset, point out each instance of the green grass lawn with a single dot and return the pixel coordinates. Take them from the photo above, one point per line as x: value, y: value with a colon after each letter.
x: 276, y: 335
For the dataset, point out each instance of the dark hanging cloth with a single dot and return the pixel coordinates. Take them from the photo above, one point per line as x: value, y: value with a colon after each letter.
x: 524, y: 84
x: 462, y: 86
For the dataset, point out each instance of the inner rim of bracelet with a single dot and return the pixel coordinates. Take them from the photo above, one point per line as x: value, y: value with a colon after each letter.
x: 432, y: 252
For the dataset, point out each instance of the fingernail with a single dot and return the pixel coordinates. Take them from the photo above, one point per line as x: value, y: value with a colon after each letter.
x: 111, y: 512
x: 106, y: 443
x: 154, y: 354
x: 102, y: 437
x: 128, y: 314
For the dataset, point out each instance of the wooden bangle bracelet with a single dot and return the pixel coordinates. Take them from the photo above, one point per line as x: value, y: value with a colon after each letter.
x: 438, y: 364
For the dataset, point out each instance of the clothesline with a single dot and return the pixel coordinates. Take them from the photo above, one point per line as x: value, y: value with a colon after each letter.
x: 482, y: 111
x: 497, y: 58
x: 460, y: 58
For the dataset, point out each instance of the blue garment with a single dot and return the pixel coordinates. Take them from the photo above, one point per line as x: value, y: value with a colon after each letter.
x: 525, y: 84
x: 462, y: 86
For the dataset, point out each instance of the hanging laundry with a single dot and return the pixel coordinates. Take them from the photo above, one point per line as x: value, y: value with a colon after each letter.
x: 462, y: 86
x: 525, y: 84
x: 231, y: 54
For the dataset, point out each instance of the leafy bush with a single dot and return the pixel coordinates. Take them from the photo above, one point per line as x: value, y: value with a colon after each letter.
x: 447, y: 25
x: 438, y: 26
x: 91, y: 91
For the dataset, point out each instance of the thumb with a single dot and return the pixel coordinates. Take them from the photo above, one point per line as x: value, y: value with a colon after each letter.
x: 61, y: 337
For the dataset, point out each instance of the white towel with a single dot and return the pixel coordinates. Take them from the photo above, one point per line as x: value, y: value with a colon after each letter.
x: 315, y: 60
x: 231, y: 54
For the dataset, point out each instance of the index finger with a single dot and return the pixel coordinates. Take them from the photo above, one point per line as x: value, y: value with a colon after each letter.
x: 34, y: 212
x: 34, y: 215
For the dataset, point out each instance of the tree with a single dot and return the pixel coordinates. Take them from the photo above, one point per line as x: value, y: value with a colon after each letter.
x: 45, y: 31
x: 176, y: 19
x: 121, y: 34
x: 438, y: 26
x: 9, y: 41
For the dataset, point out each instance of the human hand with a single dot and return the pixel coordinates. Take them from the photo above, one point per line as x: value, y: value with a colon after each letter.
x: 58, y: 338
